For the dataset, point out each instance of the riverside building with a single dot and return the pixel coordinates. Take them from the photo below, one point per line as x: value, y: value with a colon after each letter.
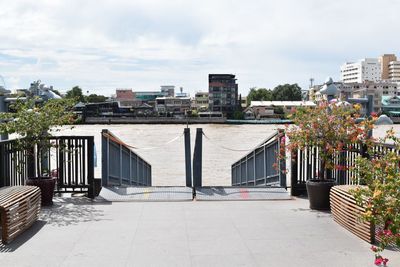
x: 394, y: 71
x: 385, y: 61
x: 201, y: 101
x: 378, y: 90
x: 172, y: 105
x: 368, y: 69
x: 168, y: 90
x: 223, y: 93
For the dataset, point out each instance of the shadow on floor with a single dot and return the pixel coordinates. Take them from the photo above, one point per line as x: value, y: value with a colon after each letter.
x: 74, y: 210
x: 64, y: 212
x: 22, y: 238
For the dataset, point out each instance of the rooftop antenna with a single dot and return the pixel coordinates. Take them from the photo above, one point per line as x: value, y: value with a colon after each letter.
x: 311, y: 82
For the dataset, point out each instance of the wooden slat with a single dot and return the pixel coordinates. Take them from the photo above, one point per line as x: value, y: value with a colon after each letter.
x: 21, y: 195
x: 19, y: 209
x: 347, y: 213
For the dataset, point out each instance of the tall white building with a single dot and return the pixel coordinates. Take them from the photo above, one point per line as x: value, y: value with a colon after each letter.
x: 368, y: 69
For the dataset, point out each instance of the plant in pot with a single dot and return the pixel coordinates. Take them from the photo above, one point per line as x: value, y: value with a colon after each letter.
x: 329, y: 128
x: 380, y: 195
x: 33, y: 122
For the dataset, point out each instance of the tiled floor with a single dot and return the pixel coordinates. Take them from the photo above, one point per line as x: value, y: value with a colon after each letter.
x: 76, y: 232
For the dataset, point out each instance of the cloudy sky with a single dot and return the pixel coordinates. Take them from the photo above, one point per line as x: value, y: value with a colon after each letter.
x: 142, y: 44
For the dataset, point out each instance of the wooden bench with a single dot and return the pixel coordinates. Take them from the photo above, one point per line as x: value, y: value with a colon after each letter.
x: 19, y: 209
x: 347, y: 213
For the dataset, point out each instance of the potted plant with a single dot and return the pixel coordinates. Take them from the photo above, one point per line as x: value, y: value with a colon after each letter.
x: 33, y: 122
x: 381, y: 194
x: 330, y: 128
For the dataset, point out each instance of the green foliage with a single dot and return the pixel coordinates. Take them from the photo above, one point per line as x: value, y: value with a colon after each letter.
x: 279, y: 110
x: 238, y: 115
x: 287, y: 92
x: 30, y: 120
x: 93, y: 98
x: 33, y: 122
x: 260, y: 94
x: 194, y: 113
x: 76, y: 94
x: 381, y: 195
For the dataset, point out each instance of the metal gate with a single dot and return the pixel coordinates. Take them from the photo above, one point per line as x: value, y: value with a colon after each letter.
x: 70, y: 159
x: 263, y: 166
x: 120, y: 165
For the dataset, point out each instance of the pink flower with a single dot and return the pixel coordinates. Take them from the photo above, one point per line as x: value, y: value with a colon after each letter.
x: 378, y: 260
x: 387, y: 232
x: 374, y: 249
x: 385, y: 260
x: 340, y: 167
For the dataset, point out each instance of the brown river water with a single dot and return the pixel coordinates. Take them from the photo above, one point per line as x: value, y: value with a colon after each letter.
x: 168, y: 160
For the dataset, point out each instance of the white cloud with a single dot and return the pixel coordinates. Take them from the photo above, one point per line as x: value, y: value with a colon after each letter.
x: 102, y: 45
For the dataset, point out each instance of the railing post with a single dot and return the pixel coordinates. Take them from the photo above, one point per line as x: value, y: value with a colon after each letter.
x: 90, y: 160
x: 2, y: 169
x: 265, y: 165
x: 246, y: 171
x: 130, y: 168
x: 104, y: 158
x: 254, y: 168
x: 30, y: 162
x: 188, y: 161
x: 150, y: 182
x: 341, y: 178
x: 282, y: 158
x: 293, y: 172
x: 3, y: 108
x: 120, y: 164
x: 197, y: 158
x: 60, y: 171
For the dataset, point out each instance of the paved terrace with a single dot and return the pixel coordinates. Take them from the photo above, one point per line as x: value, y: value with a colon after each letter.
x: 76, y: 232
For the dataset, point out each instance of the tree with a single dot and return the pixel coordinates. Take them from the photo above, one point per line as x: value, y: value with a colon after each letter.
x: 238, y: 115
x: 34, y: 123
x: 93, y: 98
x: 76, y: 94
x: 287, y: 92
x: 260, y: 94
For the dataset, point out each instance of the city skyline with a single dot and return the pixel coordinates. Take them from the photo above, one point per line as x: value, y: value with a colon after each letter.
x: 104, y: 45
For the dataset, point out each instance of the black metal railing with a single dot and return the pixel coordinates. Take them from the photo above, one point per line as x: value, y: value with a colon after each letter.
x: 263, y: 166
x: 306, y: 163
x: 68, y: 158
x: 13, y: 164
x: 120, y: 165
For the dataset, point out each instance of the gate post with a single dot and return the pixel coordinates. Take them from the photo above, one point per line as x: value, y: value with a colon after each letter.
x: 104, y: 158
x: 3, y: 108
x: 282, y: 161
x: 197, y: 158
x: 90, y: 166
x: 30, y: 162
x: 293, y: 172
x: 188, y: 161
x: 2, y: 163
